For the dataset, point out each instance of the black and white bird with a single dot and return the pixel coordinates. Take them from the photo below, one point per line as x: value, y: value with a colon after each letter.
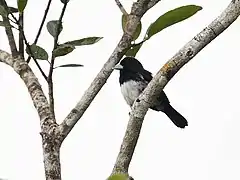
x: 134, y: 79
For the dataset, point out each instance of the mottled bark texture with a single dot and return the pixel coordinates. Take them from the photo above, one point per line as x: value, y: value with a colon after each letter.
x: 139, y: 8
x: 51, y: 143
x: 52, y: 133
x: 159, y: 81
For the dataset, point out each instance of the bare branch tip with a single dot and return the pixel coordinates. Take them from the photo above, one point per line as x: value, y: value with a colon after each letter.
x: 121, y: 7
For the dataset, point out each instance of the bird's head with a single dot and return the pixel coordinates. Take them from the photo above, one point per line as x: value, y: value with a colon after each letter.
x: 129, y: 64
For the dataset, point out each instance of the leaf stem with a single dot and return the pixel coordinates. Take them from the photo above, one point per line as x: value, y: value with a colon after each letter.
x: 49, y: 79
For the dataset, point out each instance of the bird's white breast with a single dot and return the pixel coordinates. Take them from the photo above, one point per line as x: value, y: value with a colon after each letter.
x: 131, y: 90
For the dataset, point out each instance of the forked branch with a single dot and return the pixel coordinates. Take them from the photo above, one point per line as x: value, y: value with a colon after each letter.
x: 164, y: 75
x: 138, y: 10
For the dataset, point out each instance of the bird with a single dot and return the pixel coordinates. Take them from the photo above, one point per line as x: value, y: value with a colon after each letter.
x: 134, y: 79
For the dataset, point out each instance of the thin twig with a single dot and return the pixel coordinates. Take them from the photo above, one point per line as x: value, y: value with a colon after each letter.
x: 37, y: 64
x: 43, y: 21
x: 9, y: 32
x: 28, y: 47
x: 159, y: 81
x: 21, y: 39
x: 121, y: 7
x: 41, y: 26
x: 50, y: 81
x: 35, y: 60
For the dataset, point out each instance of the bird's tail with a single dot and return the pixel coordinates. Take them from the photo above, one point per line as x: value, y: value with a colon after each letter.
x: 175, y: 116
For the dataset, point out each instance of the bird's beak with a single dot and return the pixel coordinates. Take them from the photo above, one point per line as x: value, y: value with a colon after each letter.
x: 118, y: 67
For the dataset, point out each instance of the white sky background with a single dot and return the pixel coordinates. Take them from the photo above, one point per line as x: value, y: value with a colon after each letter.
x: 205, y: 91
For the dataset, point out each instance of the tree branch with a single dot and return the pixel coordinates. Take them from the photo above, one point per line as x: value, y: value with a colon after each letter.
x: 22, y: 35
x: 159, y: 81
x: 21, y: 39
x: 41, y: 26
x: 152, y: 3
x: 138, y: 10
x: 121, y: 7
x: 9, y: 32
x: 50, y: 81
x: 51, y: 143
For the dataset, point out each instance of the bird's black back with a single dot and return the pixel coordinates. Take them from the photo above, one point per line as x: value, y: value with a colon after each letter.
x: 126, y: 75
x: 133, y: 70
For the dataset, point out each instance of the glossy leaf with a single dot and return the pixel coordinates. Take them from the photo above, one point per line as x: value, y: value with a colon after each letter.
x: 84, y: 41
x: 52, y: 27
x: 37, y: 52
x: 172, y: 17
x: 63, y: 50
x: 138, y: 30
x: 118, y: 177
x: 69, y: 65
x: 21, y: 5
x: 3, y: 12
x: 4, y: 24
x: 133, y: 50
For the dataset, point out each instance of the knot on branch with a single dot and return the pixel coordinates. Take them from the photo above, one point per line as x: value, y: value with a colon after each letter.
x: 189, y: 53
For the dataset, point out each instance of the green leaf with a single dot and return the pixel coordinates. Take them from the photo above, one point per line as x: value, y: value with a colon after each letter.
x: 5, y: 24
x: 63, y: 50
x: 84, y: 41
x: 65, y: 1
x: 21, y: 5
x: 37, y: 52
x: 133, y: 50
x: 3, y: 12
x: 69, y: 65
x: 172, y: 17
x: 12, y: 9
x: 138, y: 30
x: 52, y: 27
x: 118, y: 177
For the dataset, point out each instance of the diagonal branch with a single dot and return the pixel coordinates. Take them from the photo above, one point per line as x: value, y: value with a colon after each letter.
x: 43, y: 21
x: 23, y: 37
x: 41, y: 26
x: 152, y: 3
x: 138, y: 10
x: 32, y: 55
x: 159, y: 81
x: 119, y: 4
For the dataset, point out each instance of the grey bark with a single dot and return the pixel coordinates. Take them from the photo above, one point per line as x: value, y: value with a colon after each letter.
x: 53, y: 134
x: 138, y: 10
x: 50, y: 138
x: 164, y: 75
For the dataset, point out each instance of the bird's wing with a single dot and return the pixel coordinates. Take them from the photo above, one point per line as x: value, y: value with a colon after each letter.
x: 146, y: 75
x: 162, y: 99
